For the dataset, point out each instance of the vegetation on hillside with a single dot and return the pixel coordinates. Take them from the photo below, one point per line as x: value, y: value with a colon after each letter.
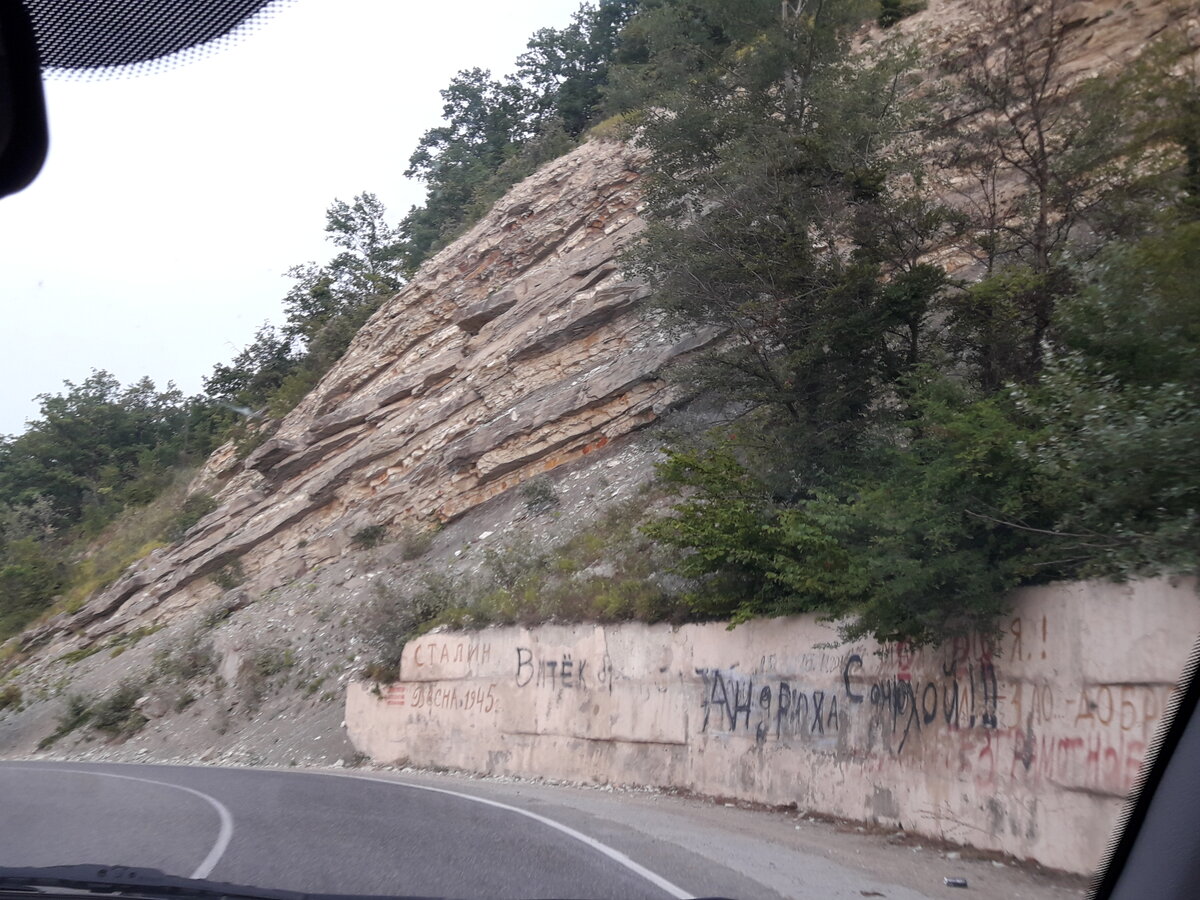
x: 902, y: 444
x: 86, y: 470
x: 903, y: 447
x: 496, y: 131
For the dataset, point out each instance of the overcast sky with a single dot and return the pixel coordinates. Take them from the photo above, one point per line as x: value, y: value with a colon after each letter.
x: 155, y: 239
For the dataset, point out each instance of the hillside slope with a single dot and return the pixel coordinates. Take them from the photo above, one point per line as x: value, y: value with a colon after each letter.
x: 518, y: 350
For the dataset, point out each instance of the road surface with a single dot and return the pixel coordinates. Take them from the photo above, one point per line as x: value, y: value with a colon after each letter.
x: 350, y: 833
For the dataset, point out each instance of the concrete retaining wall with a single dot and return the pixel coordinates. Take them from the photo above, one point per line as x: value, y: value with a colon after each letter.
x: 1024, y: 743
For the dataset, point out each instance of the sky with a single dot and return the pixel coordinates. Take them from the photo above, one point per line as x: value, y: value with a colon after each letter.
x: 155, y: 239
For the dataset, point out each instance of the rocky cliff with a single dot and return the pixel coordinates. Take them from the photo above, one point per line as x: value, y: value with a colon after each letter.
x: 518, y: 348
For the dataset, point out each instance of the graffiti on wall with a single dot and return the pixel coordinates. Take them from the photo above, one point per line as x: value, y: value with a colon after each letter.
x: 562, y: 670
x: 769, y: 709
x: 432, y: 653
x: 979, y: 708
x: 430, y: 696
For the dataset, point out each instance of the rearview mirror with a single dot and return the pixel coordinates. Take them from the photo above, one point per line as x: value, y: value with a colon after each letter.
x: 23, y: 136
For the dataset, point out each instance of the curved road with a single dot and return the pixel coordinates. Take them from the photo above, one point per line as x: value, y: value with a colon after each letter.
x: 447, y: 836
x: 304, y: 831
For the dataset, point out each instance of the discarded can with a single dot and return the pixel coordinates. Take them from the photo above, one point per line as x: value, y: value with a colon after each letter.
x: 955, y: 882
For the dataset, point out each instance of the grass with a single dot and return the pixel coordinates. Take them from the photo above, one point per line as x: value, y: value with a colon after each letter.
x: 116, y: 645
x: 74, y: 656
x: 134, y: 534
x: 607, y: 572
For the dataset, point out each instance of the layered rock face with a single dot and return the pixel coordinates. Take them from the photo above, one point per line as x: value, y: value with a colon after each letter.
x: 518, y: 348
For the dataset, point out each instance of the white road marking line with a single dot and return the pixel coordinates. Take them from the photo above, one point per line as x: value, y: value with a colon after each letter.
x: 612, y: 853
x: 224, y: 835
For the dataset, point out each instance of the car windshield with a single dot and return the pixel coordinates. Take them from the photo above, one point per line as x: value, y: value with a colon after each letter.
x: 629, y: 448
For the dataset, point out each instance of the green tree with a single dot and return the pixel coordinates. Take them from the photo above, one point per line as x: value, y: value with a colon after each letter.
x: 324, y: 309
x: 485, y: 120
x: 256, y: 373
x: 1121, y: 403
x: 496, y: 131
x: 565, y: 70
x: 769, y: 178
x: 30, y: 577
x: 328, y: 304
x: 98, y: 444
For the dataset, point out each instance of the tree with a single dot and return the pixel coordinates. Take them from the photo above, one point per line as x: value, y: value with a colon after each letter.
x: 485, y: 120
x: 771, y: 167
x: 565, y: 70
x: 257, y: 371
x: 93, y: 444
x: 496, y: 131
x: 1121, y: 405
x: 328, y: 303
x: 324, y: 309
x: 1049, y: 164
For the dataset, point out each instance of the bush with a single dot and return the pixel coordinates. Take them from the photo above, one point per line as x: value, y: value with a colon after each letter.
x: 270, y: 661
x: 265, y: 664
x: 10, y: 696
x: 222, y: 609
x: 918, y: 545
x: 30, y: 578
x: 393, y: 617
x: 116, y: 714
x: 194, y: 508
x: 539, y: 494
x: 229, y: 576
x: 77, y: 712
x: 608, y: 572
x: 369, y: 537
x: 191, y: 658
x: 892, y: 11
x: 414, y: 543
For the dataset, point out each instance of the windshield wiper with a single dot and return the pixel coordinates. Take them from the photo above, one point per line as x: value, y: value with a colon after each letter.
x: 148, y: 884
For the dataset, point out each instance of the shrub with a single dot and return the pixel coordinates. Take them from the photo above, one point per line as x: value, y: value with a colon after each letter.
x: 191, y: 658
x: 229, y: 576
x: 369, y: 537
x: 220, y: 610
x: 539, y: 494
x: 393, y: 617
x: 414, y: 543
x: 265, y: 664
x: 116, y: 714
x: 892, y: 11
x: 10, y: 696
x: 270, y: 661
x: 194, y: 508
x: 77, y: 711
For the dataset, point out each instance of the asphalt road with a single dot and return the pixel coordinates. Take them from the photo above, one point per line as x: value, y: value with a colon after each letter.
x: 398, y: 834
x: 302, y: 831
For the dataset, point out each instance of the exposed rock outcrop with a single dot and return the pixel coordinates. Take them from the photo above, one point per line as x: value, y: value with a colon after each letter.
x: 514, y: 350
